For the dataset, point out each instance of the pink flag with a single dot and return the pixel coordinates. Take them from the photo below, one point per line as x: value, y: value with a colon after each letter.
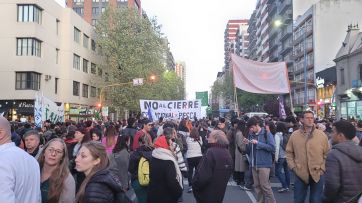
x: 259, y: 77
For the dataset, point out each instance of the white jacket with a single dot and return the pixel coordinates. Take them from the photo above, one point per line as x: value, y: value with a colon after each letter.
x: 193, y: 147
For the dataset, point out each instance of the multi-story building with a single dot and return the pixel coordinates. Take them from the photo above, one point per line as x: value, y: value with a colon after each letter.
x: 252, y: 37
x: 91, y: 10
x: 180, y: 70
x: 318, y: 34
x: 258, y: 30
x: 242, y: 40
x: 230, y: 38
x: 46, y: 49
x: 349, y: 75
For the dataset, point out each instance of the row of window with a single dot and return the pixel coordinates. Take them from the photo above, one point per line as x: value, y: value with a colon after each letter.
x: 85, y: 90
x: 31, y: 81
x: 77, y: 65
x: 95, y: 10
x: 29, y: 13
x: 77, y: 36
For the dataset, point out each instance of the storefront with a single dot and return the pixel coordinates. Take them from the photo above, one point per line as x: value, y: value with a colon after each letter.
x: 326, y: 81
x: 78, y: 112
x: 18, y: 110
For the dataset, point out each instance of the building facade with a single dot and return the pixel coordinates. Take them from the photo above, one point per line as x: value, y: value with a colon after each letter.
x: 317, y: 35
x: 50, y: 50
x: 230, y: 40
x: 91, y: 10
x: 349, y: 75
x: 242, y: 40
x: 180, y: 70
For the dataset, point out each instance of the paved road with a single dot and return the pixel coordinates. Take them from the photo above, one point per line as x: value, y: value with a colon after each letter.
x: 234, y: 194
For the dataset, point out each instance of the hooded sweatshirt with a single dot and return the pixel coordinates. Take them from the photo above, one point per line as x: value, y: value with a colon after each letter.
x: 343, y: 179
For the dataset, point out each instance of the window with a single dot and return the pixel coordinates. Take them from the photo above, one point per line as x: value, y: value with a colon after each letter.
x: 95, y: 0
x: 56, y: 85
x: 29, y: 13
x: 76, y: 34
x: 100, y: 72
x: 85, y: 90
x: 85, y: 41
x: 79, y: 10
x: 57, y: 26
x: 76, y: 86
x: 56, y: 56
x: 94, y: 22
x: 27, y: 81
x: 342, y: 76
x: 28, y: 47
x: 93, y: 44
x: 95, y: 10
x: 76, y: 62
x: 93, y: 91
x: 103, y: 9
x: 85, y: 65
x: 93, y: 68
x: 106, y: 77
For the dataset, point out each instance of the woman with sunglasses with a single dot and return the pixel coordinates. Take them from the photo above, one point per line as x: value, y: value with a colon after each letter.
x: 57, y: 184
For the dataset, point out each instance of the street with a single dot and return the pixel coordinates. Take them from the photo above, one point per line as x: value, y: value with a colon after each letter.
x: 234, y: 194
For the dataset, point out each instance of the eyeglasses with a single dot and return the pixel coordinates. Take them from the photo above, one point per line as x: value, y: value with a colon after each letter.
x: 57, y: 151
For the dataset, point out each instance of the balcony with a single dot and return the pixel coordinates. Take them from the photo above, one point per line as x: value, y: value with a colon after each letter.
x: 285, y: 5
x: 286, y: 48
x: 273, y: 44
x: 274, y: 57
x: 272, y: 9
x: 287, y: 32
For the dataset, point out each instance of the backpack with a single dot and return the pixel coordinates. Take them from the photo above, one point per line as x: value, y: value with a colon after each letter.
x: 143, y: 171
x: 285, y: 141
x: 266, y: 141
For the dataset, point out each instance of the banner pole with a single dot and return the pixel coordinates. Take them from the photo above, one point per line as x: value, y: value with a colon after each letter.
x: 291, y: 103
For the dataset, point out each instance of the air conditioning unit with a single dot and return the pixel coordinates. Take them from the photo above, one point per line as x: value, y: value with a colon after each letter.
x: 48, y: 77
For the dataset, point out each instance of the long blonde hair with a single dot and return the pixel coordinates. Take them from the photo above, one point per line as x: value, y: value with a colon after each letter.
x: 61, y: 172
x: 97, y: 150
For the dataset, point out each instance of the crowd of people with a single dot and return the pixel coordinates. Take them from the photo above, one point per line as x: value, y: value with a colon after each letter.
x: 100, y: 161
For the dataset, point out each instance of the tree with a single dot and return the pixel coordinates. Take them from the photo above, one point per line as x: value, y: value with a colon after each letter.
x: 133, y: 47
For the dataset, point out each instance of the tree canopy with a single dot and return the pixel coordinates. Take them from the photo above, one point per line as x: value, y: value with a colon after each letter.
x: 133, y: 47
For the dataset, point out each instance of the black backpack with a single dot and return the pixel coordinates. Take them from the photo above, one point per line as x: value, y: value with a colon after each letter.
x: 283, y: 144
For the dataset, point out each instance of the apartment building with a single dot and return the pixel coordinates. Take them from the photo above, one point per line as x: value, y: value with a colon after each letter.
x: 91, y: 10
x: 46, y: 49
x: 242, y: 40
x: 317, y: 36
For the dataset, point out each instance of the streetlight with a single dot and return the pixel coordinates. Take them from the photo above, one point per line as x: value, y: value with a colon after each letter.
x: 135, y: 82
x: 279, y: 23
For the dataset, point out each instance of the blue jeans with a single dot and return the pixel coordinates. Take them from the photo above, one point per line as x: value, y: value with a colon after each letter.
x: 282, y: 172
x: 315, y: 190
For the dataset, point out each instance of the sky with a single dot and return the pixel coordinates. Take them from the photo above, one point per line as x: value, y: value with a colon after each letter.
x: 195, y: 30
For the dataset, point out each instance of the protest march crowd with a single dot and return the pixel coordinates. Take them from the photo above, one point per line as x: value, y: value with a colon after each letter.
x: 101, y: 161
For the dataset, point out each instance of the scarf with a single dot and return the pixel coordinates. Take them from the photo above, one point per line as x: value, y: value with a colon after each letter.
x: 165, y: 154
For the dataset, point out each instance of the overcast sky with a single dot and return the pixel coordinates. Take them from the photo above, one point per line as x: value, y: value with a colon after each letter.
x: 195, y: 30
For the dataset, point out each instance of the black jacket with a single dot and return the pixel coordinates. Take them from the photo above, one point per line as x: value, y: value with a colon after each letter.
x: 104, y: 187
x: 135, y: 158
x: 163, y: 187
x: 211, y: 177
x: 343, y: 179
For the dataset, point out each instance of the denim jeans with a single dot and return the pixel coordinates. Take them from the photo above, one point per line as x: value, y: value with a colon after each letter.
x: 282, y: 172
x: 315, y: 190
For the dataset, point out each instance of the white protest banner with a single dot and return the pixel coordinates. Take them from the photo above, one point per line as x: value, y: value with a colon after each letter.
x: 171, y: 109
x: 51, y: 111
x: 46, y: 109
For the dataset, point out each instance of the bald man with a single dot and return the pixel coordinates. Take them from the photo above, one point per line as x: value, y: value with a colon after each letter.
x: 19, y: 172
